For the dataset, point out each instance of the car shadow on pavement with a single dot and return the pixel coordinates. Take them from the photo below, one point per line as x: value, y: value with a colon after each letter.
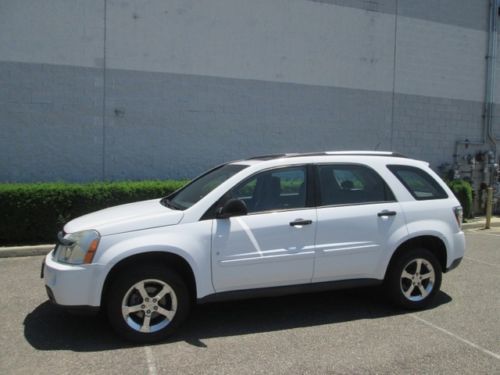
x: 48, y: 327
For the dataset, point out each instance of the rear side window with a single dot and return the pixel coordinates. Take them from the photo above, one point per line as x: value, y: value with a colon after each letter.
x: 418, y: 182
x: 351, y: 184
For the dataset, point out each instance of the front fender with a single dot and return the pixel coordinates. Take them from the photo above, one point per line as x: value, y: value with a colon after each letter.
x: 194, y: 248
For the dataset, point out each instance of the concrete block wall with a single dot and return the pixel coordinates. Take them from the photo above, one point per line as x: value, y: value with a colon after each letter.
x: 50, y: 122
x: 118, y: 89
x: 429, y: 126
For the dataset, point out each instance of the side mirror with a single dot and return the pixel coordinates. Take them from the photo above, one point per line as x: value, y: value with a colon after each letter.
x: 233, y: 207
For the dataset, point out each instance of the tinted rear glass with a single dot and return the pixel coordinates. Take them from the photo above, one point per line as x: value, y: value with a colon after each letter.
x: 418, y: 182
x: 351, y: 184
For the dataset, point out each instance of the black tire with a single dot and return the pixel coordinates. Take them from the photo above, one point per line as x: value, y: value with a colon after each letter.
x: 414, y: 289
x: 153, y: 278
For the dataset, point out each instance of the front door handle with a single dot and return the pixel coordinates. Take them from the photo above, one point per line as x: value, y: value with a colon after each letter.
x: 300, y: 222
x: 386, y: 213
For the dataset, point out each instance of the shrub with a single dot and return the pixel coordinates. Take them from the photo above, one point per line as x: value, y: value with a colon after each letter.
x: 463, y: 191
x: 33, y: 213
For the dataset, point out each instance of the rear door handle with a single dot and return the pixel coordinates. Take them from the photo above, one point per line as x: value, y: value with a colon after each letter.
x: 386, y: 213
x: 300, y: 222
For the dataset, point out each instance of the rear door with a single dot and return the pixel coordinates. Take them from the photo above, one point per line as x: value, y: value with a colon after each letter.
x: 358, y: 220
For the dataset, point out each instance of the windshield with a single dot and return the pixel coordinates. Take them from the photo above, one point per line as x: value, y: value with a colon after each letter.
x: 198, y: 188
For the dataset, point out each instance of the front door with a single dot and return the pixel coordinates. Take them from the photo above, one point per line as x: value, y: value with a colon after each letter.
x: 274, y: 244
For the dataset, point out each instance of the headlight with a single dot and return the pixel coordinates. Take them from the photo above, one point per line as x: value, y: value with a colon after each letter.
x: 78, y: 248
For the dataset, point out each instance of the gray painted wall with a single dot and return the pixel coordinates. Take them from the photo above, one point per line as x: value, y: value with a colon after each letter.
x: 129, y: 90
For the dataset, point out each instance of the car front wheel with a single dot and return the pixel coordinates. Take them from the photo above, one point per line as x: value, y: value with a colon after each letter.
x: 148, y: 304
x: 414, y: 279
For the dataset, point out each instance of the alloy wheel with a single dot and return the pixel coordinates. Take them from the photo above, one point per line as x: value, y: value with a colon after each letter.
x: 149, y: 306
x: 417, y: 279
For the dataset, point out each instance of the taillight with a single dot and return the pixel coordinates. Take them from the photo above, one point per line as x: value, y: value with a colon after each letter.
x: 459, y: 215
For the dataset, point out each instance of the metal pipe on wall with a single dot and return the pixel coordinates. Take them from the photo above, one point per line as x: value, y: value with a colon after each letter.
x: 489, y: 100
x: 490, y: 74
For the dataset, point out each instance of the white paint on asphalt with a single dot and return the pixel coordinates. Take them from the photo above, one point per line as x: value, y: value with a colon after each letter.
x: 482, y: 262
x: 480, y: 348
x: 150, y: 360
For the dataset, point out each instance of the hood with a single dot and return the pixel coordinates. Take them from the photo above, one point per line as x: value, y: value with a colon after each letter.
x: 126, y: 217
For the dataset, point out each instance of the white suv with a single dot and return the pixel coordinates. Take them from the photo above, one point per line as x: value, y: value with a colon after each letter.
x: 264, y: 226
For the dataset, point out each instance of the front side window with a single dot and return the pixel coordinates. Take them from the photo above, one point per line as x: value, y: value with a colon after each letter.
x: 201, y: 186
x: 419, y: 183
x: 342, y: 184
x: 278, y: 189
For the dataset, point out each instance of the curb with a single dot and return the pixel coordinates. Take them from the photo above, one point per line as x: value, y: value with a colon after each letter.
x: 25, y: 251
x: 479, y: 225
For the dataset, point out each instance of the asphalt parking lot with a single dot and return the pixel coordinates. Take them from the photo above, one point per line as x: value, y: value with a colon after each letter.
x: 327, y: 333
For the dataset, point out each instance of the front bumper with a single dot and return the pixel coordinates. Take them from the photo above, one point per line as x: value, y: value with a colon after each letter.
x: 72, y: 286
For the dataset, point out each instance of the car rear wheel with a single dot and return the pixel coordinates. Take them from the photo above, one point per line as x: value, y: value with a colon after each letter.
x: 148, y: 304
x: 414, y: 278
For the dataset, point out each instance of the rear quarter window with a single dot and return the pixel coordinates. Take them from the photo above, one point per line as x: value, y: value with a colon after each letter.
x: 420, y: 184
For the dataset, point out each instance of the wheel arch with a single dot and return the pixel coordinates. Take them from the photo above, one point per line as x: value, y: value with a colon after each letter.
x: 432, y: 243
x: 174, y: 261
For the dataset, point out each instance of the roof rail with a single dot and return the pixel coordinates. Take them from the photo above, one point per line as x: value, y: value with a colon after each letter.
x: 325, y: 153
x: 267, y: 157
x: 367, y: 153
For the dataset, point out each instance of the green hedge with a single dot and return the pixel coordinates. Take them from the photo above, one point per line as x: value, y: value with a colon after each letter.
x: 34, y: 213
x: 463, y: 191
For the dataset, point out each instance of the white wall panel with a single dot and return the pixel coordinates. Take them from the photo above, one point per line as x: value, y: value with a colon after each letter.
x: 440, y: 60
x: 279, y: 41
x: 285, y: 41
x: 52, y: 31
